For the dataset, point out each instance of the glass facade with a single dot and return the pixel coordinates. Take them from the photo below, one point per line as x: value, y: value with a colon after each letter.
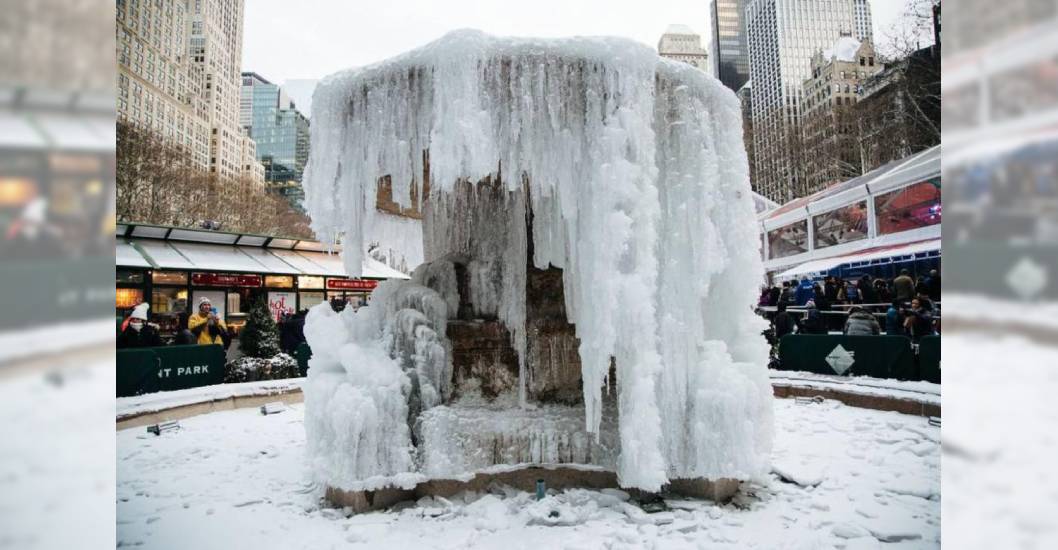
x: 912, y: 207
x: 729, y: 56
x: 841, y: 225
x: 788, y: 240
x: 782, y: 36
x: 281, y: 133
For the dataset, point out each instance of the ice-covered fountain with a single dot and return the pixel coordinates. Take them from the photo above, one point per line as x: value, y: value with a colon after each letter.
x: 583, y: 314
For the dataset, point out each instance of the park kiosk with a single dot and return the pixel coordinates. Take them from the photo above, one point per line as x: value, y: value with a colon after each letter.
x: 173, y: 268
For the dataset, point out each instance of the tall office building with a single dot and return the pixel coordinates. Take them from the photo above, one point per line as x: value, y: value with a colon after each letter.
x: 783, y: 35
x: 281, y: 133
x: 730, y: 58
x: 156, y: 89
x: 861, y: 11
x: 178, y: 75
x: 681, y: 43
x: 215, y: 49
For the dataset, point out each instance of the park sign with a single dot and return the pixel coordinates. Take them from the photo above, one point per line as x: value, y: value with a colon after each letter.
x: 166, y: 368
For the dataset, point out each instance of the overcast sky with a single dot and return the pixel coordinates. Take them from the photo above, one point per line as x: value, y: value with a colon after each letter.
x: 309, y: 39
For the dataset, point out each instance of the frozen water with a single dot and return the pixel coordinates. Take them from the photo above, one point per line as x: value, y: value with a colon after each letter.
x: 632, y: 170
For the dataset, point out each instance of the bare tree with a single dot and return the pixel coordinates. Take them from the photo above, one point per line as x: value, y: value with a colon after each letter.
x: 158, y: 183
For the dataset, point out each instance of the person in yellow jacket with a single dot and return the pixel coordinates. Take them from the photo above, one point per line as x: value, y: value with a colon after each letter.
x: 205, y: 325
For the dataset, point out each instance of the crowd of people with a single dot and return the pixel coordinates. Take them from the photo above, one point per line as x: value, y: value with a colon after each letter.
x: 911, y: 305
x: 205, y: 326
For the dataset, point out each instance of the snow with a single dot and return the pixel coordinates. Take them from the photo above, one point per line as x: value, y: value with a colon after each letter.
x: 238, y: 479
x: 54, y: 338
x: 370, y: 368
x: 126, y: 407
x: 998, y: 440
x: 844, y: 49
x: 634, y: 172
x: 917, y: 390
x: 57, y: 460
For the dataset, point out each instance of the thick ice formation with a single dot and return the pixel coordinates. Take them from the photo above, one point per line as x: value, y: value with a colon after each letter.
x: 632, y: 170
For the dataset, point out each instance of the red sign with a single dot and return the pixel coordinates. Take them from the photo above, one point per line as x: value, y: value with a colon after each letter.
x: 351, y: 284
x: 225, y: 279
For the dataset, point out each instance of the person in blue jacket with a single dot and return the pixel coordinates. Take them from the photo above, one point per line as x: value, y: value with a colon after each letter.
x: 894, y: 320
x: 805, y: 292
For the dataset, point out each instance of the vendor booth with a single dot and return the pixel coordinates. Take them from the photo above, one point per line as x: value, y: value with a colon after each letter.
x: 174, y: 268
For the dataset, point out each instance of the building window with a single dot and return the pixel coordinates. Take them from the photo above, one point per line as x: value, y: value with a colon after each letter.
x: 788, y: 240
x: 845, y: 224
x: 917, y: 205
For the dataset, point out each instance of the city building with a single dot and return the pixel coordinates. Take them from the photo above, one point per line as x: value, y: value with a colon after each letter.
x: 730, y: 58
x: 156, y: 88
x: 782, y: 37
x: 178, y: 75
x: 830, y: 124
x: 899, y: 108
x: 861, y: 12
x: 215, y: 49
x: 281, y: 133
x: 745, y: 98
x: 681, y: 43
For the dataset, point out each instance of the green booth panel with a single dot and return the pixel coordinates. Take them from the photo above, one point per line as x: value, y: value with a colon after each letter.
x: 57, y: 290
x: 929, y: 358
x: 875, y: 356
x: 168, y: 368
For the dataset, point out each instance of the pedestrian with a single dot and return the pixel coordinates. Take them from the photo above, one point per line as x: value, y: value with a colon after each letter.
x: 205, y: 325
x: 783, y: 323
x: 861, y: 323
x: 813, y: 322
x: 904, y: 287
x: 765, y: 293
x: 821, y: 299
x: 866, y: 288
x: 881, y: 289
x: 852, y: 293
x: 919, y: 321
x: 786, y: 298
x: 805, y: 292
x: 894, y: 319
x: 773, y: 296
x: 933, y: 285
x: 830, y: 288
x: 137, y: 332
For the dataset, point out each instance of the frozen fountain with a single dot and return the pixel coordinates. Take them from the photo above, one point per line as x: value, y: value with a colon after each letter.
x: 583, y: 314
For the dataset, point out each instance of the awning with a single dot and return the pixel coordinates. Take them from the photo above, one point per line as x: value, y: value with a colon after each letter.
x: 218, y: 257
x: 127, y: 255
x: 159, y: 254
x: 826, y: 264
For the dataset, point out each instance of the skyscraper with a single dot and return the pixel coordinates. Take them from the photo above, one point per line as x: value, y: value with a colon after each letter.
x: 861, y: 11
x: 281, y: 132
x: 730, y: 58
x: 681, y: 43
x: 178, y: 76
x: 215, y: 51
x: 156, y: 89
x: 783, y: 35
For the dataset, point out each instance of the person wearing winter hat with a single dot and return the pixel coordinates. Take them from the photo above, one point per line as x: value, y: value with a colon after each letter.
x: 137, y: 332
x: 205, y: 325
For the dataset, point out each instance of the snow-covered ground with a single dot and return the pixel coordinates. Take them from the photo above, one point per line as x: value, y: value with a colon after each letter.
x: 57, y: 455
x: 237, y: 479
x: 54, y: 338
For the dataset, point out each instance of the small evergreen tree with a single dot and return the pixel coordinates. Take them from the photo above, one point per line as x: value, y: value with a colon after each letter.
x: 260, y: 337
